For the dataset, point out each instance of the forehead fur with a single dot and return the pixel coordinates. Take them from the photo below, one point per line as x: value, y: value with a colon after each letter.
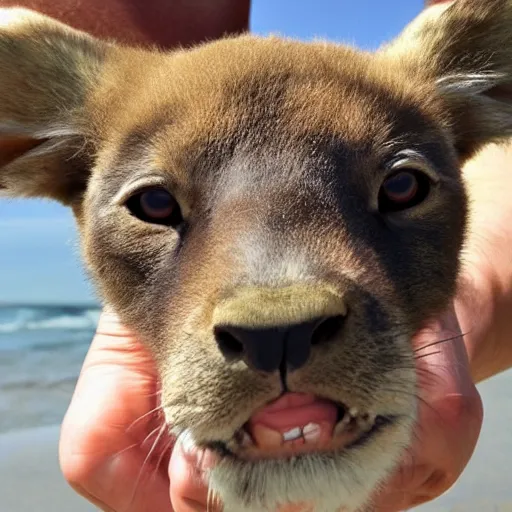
x: 257, y: 86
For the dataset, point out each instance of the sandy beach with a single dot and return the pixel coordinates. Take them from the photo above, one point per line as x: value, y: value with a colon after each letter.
x: 30, y: 480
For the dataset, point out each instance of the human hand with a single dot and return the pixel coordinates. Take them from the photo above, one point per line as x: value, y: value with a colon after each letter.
x: 155, y: 22
x: 451, y: 409
x: 114, y: 450
x: 449, y: 420
x: 109, y: 431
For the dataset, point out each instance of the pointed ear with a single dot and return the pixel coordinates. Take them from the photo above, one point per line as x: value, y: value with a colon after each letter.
x: 47, y: 72
x: 465, y: 49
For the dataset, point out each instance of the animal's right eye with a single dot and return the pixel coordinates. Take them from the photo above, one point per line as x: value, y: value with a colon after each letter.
x: 408, y: 185
x: 156, y: 206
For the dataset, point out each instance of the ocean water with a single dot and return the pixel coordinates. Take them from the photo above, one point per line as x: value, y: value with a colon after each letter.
x: 42, y: 349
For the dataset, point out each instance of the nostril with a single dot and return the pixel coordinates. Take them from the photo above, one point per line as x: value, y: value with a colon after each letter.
x: 228, y: 344
x: 327, y: 329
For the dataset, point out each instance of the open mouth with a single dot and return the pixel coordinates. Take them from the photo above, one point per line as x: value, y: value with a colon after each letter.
x: 298, y: 423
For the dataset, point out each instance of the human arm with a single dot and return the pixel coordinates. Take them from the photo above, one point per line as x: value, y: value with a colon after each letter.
x: 484, y: 308
x: 165, y: 23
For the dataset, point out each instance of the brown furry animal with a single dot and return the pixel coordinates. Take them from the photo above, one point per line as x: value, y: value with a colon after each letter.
x: 274, y: 219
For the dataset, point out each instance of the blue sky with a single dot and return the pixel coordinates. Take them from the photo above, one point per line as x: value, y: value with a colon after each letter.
x: 39, y: 257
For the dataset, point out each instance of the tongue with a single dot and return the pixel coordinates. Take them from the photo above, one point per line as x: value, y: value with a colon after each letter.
x: 288, y: 412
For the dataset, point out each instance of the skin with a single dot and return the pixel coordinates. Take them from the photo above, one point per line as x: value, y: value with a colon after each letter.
x: 109, y: 434
x: 136, y: 23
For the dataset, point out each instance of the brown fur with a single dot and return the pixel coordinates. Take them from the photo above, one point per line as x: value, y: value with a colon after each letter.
x: 275, y: 151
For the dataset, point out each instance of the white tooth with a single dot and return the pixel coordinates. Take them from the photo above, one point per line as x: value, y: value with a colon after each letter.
x: 342, y: 424
x: 246, y: 439
x: 345, y: 420
x: 339, y: 429
x: 353, y: 411
x: 292, y: 434
x: 310, y: 427
x: 311, y: 432
x: 232, y: 444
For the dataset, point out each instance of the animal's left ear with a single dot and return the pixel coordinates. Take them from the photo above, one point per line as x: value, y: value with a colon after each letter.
x: 47, y: 74
x: 465, y: 48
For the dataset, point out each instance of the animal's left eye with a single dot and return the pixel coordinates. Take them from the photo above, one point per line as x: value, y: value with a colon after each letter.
x: 156, y: 206
x: 402, y: 190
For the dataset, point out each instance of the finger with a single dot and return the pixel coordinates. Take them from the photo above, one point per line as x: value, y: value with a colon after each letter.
x: 434, y: 2
x: 441, y: 354
x: 450, y: 412
x: 115, y: 388
x: 101, y: 456
x: 402, y: 488
x: 450, y: 416
x: 123, y: 484
x: 189, y: 488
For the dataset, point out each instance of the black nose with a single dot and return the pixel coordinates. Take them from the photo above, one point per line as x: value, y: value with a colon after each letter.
x: 271, y: 348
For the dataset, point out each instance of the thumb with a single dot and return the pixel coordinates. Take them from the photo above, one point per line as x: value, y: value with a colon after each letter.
x: 450, y: 407
x: 188, y: 475
x: 448, y: 423
x: 443, y: 369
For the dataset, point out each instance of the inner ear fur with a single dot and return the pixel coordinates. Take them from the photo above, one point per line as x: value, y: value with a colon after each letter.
x: 465, y: 49
x: 47, y: 71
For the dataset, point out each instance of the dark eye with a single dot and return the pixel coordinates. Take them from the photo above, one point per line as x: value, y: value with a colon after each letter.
x: 402, y: 190
x: 156, y: 206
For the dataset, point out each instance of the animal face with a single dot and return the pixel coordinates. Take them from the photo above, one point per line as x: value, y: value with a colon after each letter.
x: 274, y: 219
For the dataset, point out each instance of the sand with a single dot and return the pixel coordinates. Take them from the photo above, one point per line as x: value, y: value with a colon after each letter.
x: 30, y: 480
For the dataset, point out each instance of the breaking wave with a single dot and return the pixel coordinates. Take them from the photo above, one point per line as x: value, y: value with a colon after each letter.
x: 66, y: 318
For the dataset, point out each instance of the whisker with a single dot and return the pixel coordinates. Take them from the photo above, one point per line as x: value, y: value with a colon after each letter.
x: 120, y: 452
x: 444, y: 366
x: 157, y: 408
x: 414, y: 395
x: 438, y: 342
x: 212, y: 500
x: 149, y: 435
x: 146, y: 460
x: 163, y: 453
x: 426, y: 355
x: 209, y: 499
x: 157, y: 440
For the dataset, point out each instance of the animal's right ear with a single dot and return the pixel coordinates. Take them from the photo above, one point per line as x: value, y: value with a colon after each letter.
x: 464, y: 50
x: 47, y: 73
